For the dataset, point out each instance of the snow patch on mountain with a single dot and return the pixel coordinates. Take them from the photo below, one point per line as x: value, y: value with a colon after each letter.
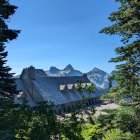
x: 99, y: 78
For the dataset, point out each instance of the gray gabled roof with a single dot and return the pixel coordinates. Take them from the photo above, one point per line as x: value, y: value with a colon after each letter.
x: 49, y: 88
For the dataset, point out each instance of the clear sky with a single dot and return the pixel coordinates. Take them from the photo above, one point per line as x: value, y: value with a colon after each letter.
x: 61, y: 32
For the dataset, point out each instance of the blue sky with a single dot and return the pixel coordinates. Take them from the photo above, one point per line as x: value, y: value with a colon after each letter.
x: 61, y: 32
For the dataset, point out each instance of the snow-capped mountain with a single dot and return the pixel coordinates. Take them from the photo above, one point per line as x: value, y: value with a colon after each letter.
x: 67, y: 71
x: 97, y: 76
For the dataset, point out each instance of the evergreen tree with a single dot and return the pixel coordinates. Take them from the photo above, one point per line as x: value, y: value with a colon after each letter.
x: 127, y: 25
x: 6, y: 35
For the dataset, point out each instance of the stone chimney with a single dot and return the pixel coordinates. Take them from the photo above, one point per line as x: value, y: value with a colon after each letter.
x: 31, y: 72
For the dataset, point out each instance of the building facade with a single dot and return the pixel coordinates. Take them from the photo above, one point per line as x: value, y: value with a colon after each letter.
x: 35, y: 86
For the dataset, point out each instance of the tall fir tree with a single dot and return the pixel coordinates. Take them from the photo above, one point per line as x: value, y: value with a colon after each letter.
x: 126, y: 23
x: 7, y: 84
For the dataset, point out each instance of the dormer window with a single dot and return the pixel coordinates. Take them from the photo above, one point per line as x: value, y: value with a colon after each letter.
x: 70, y: 86
x: 75, y: 85
x: 84, y: 85
x: 62, y: 87
x: 89, y: 84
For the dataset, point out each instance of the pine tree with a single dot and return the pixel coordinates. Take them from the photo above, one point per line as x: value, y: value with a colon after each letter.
x: 7, y: 84
x: 126, y: 23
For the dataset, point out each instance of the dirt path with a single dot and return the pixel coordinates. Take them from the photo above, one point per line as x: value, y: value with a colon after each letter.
x: 104, y: 106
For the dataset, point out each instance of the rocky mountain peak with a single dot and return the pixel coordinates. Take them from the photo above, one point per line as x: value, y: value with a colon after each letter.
x: 68, y: 68
x: 99, y: 77
x: 54, y: 69
x: 97, y: 70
